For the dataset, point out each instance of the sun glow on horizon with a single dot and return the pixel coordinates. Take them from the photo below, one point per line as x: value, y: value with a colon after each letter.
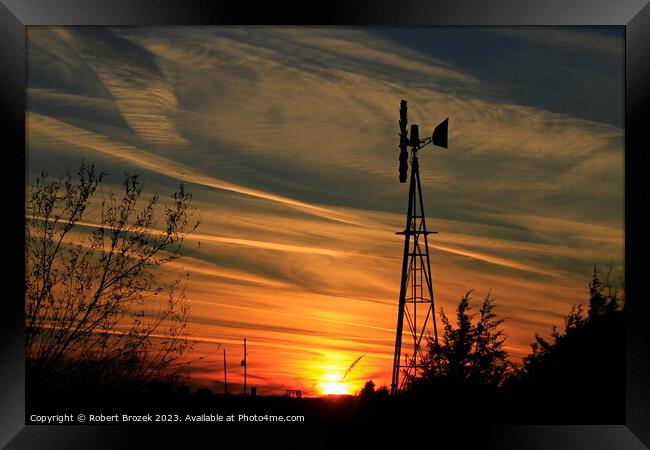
x: 332, y: 385
x: 335, y: 388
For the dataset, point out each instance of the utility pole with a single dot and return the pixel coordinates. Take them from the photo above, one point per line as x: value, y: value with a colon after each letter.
x: 416, y: 285
x: 244, y: 364
x: 225, y: 377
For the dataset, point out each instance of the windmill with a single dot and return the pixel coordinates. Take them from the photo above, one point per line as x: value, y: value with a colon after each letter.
x: 416, y: 301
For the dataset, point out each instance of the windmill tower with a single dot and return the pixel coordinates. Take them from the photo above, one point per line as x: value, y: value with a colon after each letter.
x: 416, y: 302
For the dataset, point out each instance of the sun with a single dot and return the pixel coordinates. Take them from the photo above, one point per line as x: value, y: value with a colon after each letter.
x: 332, y: 385
x: 335, y: 388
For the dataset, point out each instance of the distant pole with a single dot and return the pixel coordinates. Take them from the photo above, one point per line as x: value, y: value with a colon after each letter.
x: 225, y: 377
x: 244, y: 363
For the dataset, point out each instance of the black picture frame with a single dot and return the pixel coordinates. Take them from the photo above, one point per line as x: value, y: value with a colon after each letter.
x: 634, y: 15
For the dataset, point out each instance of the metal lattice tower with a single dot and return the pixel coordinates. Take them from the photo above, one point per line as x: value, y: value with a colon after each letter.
x: 416, y: 300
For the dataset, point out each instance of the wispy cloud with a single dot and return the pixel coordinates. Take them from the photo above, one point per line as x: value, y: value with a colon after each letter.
x: 60, y: 132
x: 585, y: 41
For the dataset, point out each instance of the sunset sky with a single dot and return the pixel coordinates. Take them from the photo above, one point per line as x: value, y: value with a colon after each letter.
x: 287, y: 138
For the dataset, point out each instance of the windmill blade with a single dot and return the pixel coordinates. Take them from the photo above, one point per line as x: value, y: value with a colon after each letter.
x: 403, y: 143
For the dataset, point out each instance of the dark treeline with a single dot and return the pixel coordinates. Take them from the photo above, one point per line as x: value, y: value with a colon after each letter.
x: 575, y: 377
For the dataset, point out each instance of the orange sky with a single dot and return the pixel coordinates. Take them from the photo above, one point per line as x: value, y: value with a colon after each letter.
x: 287, y: 139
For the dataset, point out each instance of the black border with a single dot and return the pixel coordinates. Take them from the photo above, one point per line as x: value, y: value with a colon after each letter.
x: 633, y: 14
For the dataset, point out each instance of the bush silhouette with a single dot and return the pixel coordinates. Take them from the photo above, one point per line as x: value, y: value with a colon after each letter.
x: 469, y: 353
x: 578, y: 376
x: 96, y: 309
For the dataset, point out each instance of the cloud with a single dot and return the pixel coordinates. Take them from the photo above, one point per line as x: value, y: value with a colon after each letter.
x: 601, y: 46
x: 141, y: 95
x: 262, y: 102
x: 59, y: 131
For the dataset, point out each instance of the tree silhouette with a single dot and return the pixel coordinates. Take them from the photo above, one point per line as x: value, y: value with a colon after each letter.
x: 603, y: 306
x: 581, y: 368
x: 96, y: 304
x: 368, y: 390
x: 469, y: 353
x: 603, y: 294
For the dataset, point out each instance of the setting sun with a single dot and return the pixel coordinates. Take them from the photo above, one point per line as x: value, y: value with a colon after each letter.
x: 333, y: 385
x: 335, y: 388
